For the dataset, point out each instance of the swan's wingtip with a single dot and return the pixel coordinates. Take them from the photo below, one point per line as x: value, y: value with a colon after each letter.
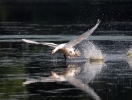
x: 98, y: 21
x: 24, y: 40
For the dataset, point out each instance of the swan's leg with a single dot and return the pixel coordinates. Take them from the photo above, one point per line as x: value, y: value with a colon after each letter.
x: 65, y: 57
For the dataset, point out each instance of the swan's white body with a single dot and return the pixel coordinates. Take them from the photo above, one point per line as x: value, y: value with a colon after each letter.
x: 68, y: 48
x: 70, y: 52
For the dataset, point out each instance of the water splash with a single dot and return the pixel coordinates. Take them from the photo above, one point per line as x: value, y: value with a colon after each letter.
x: 129, y: 61
x: 129, y: 53
x: 90, y: 51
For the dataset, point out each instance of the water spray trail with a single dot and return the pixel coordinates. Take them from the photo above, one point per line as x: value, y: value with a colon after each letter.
x: 88, y: 49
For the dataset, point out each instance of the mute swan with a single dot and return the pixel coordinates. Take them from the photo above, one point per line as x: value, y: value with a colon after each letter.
x: 68, y: 48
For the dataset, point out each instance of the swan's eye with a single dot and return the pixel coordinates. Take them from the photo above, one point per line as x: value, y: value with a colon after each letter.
x: 70, y: 52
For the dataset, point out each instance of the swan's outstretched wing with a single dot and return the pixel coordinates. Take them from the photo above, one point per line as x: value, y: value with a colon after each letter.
x: 84, y: 87
x: 43, y: 43
x: 82, y: 36
x: 42, y: 79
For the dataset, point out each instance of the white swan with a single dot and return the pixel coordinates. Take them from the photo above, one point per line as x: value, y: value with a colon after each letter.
x: 67, y: 48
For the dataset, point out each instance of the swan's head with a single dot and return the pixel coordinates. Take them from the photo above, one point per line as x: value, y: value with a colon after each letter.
x: 52, y: 52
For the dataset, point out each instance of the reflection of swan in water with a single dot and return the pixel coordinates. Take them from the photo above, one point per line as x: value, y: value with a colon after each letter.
x: 70, y: 71
x: 84, y: 87
x: 129, y: 53
x: 78, y: 75
x: 90, y: 70
x: 68, y: 48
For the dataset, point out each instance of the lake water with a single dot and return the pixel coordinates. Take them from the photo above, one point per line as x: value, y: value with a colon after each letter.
x: 19, y: 61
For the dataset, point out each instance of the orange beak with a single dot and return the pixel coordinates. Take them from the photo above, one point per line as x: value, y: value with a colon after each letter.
x: 52, y: 52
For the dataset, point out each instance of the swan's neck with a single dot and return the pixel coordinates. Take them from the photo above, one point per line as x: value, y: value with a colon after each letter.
x: 59, y: 47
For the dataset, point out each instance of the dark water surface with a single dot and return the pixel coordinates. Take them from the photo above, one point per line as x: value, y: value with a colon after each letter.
x: 59, y: 22
x: 20, y: 61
